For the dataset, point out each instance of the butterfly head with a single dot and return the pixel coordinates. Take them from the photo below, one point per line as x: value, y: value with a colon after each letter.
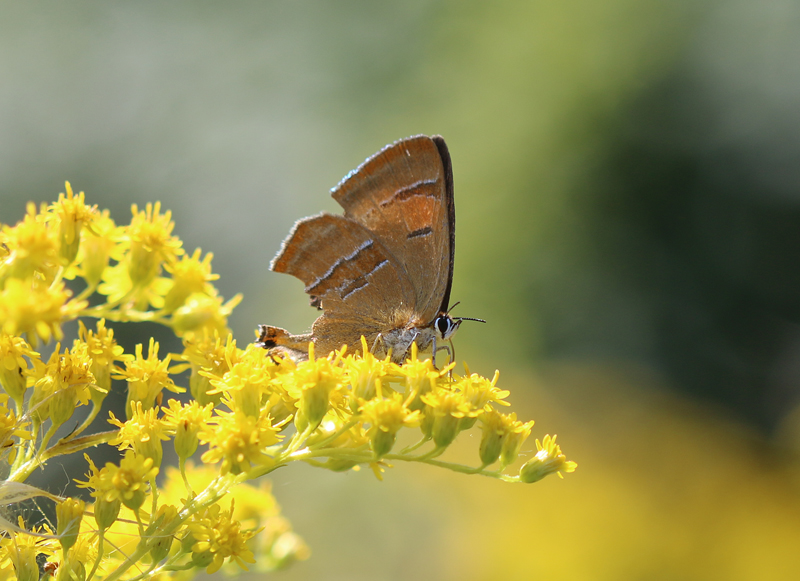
x: 446, y: 325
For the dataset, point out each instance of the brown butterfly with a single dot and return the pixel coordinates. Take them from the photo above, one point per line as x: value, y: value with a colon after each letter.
x: 385, y: 268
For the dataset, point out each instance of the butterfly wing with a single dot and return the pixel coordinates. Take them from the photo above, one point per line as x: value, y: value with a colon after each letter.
x: 350, y: 273
x: 403, y: 195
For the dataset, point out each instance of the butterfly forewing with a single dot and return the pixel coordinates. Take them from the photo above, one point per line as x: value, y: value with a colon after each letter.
x: 403, y: 195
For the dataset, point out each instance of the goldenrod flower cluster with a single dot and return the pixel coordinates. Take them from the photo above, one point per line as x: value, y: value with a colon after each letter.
x: 249, y: 413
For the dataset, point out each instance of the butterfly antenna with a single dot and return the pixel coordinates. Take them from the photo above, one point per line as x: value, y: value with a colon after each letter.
x: 454, y: 305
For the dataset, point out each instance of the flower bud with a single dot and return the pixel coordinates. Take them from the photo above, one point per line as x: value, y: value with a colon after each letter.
x: 69, y: 514
x: 106, y: 512
x: 62, y: 404
x: 493, y: 437
x: 197, y: 312
x: 382, y: 441
x: 186, y: 439
x: 200, y: 385
x: 12, y: 380
x: 445, y: 430
x: 158, y: 540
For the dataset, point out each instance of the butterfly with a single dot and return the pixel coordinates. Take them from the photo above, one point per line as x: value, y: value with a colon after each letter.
x: 384, y: 269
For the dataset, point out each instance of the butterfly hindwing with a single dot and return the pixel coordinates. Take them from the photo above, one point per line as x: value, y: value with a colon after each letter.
x: 345, y: 268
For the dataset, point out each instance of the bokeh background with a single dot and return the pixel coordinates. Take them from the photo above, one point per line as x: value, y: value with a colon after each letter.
x: 628, y: 201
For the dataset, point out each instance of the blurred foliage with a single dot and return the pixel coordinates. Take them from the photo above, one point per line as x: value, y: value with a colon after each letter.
x: 627, y: 199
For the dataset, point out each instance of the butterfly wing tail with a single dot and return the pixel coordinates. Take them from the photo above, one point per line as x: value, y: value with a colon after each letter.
x: 280, y: 342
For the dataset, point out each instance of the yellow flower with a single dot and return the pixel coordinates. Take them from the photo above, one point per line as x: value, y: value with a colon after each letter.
x: 548, y: 460
x: 31, y: 247
x: 11, y: 427
x: 143, y: 433
x: 127, y: 483
x: 516, y: 434
x: 480, y: 392
x: 60, y: 385
x: 186, y: 420
x: 14, y: 366
x: 502, y: 434
x: 80, y: 557
x: 23, y: 548
x: 277, y: 546
x: 99, y: 242
x: 215, y: 536
x: 160, y: 539
x: 386, y: 417
x: 419, y: 377
x: 119, y: 287
x: 363, y: 373
x: 246, y: 380
x: 72, y: 214
x: 447, y: 408
x: 145, y: 246
x: 190, y: 275
x: 31, y: 307
x: 239, y: 441
x: 274, y: 544
x: 315, y: 382
x: 69, y: 513
x: 149, y: 243
x: 209, y: 358
x: 147, y: 377
x: 103, y: 350
x: 203, y: 313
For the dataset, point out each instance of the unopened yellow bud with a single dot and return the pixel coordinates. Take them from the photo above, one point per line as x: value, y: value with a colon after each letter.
x: 106, y: 512
x: 199, y: 311
x: 186, y: 439
x: 199, y: 386
x: 445, y: 430
x: 159, y: 541
x: 493, y: 437
x: 382, y: 442
x: 12, y: 380
x: 69, y: 514
x: 426, y: 426
x: 62, y: 406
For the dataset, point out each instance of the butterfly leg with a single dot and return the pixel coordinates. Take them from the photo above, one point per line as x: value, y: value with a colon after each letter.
x: 451, y: 352
x: 379, y: 337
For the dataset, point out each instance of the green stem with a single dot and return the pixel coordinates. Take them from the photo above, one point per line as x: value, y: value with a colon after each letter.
x: 77, y: 444
x: 86, y: 423
x: 412, y: 447
x: 339, y: 432
x: 349, y: 454
x: 297, y: 441
x: 100, y: 554
x: 86, y: 293
x: 49, y: 434
x: 182, y: 466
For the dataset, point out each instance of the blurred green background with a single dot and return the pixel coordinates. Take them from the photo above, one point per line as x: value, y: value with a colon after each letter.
x: 628, y: 202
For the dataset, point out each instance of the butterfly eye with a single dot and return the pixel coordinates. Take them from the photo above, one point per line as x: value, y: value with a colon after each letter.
x: 446, y: 326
